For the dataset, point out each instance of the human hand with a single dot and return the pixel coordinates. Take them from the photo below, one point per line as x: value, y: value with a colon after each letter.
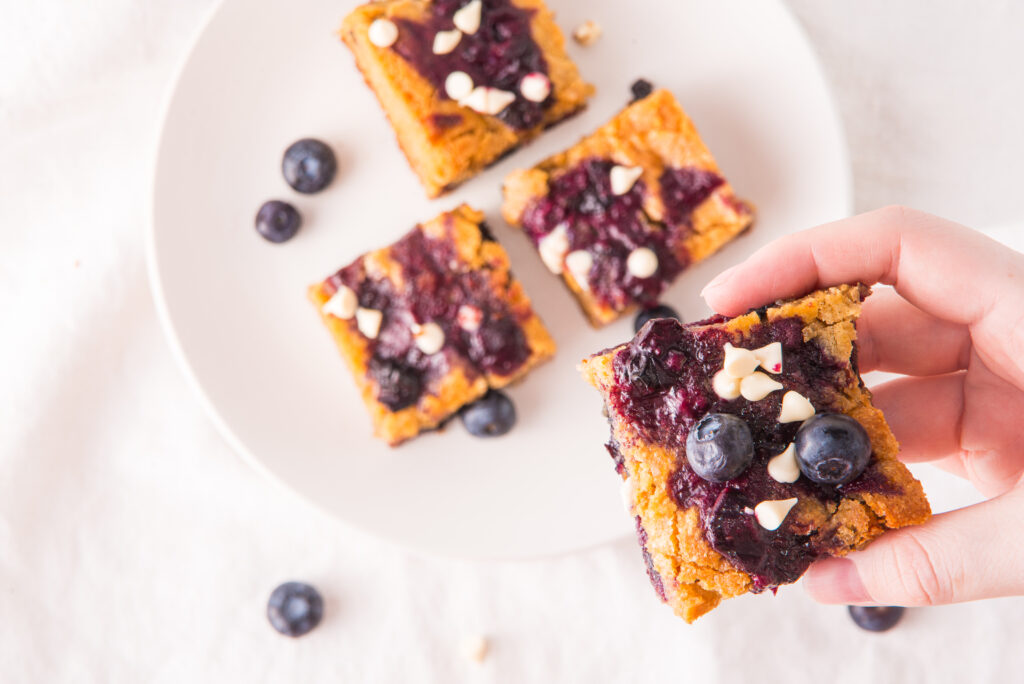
x: 955, y: 326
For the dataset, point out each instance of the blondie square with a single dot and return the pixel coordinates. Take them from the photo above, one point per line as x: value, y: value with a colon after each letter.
x: 623, y: 212
x: 430, y: 323
x: 464, y: 82
x: 782, y: 371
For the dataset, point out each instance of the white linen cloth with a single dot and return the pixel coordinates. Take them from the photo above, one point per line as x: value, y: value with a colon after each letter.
x: 136, y: 547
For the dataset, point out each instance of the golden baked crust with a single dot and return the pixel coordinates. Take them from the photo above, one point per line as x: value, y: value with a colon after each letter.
x: 653, y: 133
x: 695, y: 577
x: 445, y: 156
x: 462, y: 380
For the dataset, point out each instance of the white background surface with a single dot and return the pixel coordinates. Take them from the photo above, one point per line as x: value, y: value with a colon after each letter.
x: 135, y: 546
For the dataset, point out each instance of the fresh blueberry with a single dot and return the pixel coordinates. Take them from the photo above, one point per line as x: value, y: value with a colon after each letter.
x: 641, y: 88
x: 876, y: 618
x: 659, y: 311
x: 832, y: 448
x: 309, y: 165
x: 295, y: 608
x: 490, y: 416
x: 719, y: 447
x: 278, y: 221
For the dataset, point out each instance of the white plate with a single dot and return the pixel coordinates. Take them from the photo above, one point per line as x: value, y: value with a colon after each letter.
x: 264, y: 73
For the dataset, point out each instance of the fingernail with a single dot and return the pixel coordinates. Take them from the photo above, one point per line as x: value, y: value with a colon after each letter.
x: 836, y: 580
x: 719, y: 280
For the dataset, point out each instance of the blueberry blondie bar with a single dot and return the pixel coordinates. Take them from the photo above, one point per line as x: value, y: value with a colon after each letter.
x: 749, y: 447
x: 623, y: 212
x: 464, y: 82
x: 430, y: 323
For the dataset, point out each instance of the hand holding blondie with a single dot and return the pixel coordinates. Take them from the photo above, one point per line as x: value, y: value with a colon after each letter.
x: 953, y: 325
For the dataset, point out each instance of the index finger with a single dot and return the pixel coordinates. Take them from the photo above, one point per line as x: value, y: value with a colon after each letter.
x: 941, y: 267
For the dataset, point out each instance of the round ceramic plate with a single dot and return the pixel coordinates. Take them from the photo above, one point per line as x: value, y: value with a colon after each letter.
x: 264, y: 73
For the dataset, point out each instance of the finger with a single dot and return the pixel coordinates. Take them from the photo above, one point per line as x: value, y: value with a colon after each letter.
x: 979, y: 440
x: 926, y: 258
x: 959, y: 556
x: 894, y: 335
x: 954, y: 465
x: 924, y: 414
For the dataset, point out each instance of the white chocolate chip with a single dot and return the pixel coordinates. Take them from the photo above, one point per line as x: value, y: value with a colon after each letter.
x: 382, y: 33
x: 553, y: 248
x: 429, y: 338
x: 770, y: 357
x: 497, y: 100
x: 469, y: 318
x: 739, y: 362
x: 488, y: 100
x: 725, y: 385
x: 626, y: 491
x: 770, y: 514
x: 535, y: 87
x: 642, y: 262
x: 467, y: 19
x: 579, y: 262
x: 476, y: 99
x: 587, y: 33
x: 342, y: 304
x: 783, y: 468
x: 474, y: 647
x: 795, y: 408
x: 623, y: 178
x: 368, y: 321
x: 757, y: 386
x: 445, y: 41
x: 458, y: 85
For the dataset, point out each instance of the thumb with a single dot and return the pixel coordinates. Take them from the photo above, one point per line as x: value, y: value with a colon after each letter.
x: 971, y: 553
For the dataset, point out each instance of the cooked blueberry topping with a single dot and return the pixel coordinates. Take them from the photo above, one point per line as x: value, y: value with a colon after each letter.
x: 443, y: 122
x: 652, y: 366
x: 609, y: 227
x: 652, y: 574
x: 719, y: 447
x: 641, y: 88
x: 490, y: 416
x: 497, y: 56
x: 876, y: 618
x: 475, y: 319
x: 295, y: 608
x: 832, y: 448
x: 684, y: 189
x: 659, y: 311
x: 613, y: 226
x: 766, y: 555
x: 278, y: 221
x: 400, y: 385
x: 663, y: 387
x: 309, y: 165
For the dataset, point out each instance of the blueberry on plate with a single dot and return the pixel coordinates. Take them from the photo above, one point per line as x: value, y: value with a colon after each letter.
x: 295, y: 608
x: 832, y: 448
x: 659, y: 311
x: 309, y: 165
x: 876, y: 618
x: 641, y: 88
x: 278, y: 221
x: 492, y: 415
x: 719, y: 447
